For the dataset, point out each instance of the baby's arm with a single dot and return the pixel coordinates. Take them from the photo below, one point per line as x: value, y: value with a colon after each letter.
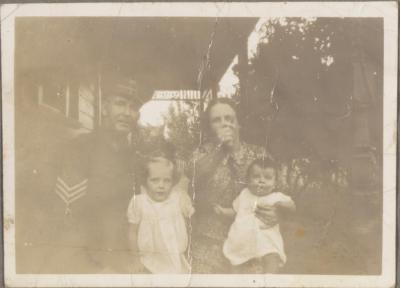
x: 286, y: 204
x: 228, y: 211
x: 219, y: 210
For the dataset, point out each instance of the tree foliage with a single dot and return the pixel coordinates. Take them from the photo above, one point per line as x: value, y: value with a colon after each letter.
x: 299, y: 98
x: 304, y: 102
x: 183, y: 128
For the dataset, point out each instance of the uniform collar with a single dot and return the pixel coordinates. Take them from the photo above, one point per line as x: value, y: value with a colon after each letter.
x: 112, y: 139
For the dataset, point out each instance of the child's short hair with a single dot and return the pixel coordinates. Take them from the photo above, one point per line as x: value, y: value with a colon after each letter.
x: 164, y: 154
x: 264, y: 162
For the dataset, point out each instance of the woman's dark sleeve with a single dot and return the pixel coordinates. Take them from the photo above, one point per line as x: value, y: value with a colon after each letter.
x: 203, y: 166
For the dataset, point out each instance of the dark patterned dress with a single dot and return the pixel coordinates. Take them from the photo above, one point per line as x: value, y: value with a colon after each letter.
x: 209, y: 230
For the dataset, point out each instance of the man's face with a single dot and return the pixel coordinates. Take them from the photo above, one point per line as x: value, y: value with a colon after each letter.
x: 122, y: 114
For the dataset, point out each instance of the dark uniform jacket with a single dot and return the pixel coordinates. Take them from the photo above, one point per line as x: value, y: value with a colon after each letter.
x: 95, y: 182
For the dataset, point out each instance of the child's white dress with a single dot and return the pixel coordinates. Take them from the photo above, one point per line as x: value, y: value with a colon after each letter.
x: 162, y: 236
x: 246, y: 239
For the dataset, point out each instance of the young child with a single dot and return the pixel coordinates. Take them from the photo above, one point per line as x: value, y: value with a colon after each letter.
x: 157, y: 219
x: 248, y: 243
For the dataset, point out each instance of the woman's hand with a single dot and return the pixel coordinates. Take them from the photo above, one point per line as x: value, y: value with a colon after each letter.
x: 267, y: 215
x: 226, y: 135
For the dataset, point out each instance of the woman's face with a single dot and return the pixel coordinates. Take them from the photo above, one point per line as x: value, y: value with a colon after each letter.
x: 223, y: 121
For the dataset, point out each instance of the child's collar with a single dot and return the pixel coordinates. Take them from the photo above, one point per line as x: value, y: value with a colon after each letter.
x: 144, y: 192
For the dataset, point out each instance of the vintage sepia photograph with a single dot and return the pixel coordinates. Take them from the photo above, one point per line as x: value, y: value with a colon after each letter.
x: 199, y: 144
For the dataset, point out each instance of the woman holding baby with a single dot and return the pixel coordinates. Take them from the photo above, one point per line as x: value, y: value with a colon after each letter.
x: 219, y: 171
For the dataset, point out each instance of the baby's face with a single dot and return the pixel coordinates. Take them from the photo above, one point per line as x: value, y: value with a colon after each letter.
x: 262, y: 180
x: 159, y: 181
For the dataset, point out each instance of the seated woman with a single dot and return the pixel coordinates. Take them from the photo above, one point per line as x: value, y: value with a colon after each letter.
x: 218, y: 173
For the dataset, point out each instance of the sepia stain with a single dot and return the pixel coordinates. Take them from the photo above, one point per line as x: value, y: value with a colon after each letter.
x: 300, y: 232
x: 7, y: 223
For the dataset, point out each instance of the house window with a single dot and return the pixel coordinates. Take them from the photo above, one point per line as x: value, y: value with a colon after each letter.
x: 72, y: 100
x: 87, y: 106
x: 55, y: 96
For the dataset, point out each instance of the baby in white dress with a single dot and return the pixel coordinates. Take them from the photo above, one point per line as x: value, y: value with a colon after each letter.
x: 157, y: 218
x: 247, y: 239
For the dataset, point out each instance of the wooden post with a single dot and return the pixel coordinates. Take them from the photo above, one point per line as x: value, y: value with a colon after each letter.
x: 98, y: 98
x: 243, y: 96
x: 364, y: 161
x: 243, y: 63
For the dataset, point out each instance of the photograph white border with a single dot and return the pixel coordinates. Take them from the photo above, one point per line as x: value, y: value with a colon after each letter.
x: 386, y: 10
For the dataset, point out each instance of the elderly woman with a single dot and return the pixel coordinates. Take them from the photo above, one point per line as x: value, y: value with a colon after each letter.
x: 218, y: 174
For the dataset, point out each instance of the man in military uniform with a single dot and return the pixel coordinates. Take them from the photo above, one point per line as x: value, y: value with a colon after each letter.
x: 87, y: 226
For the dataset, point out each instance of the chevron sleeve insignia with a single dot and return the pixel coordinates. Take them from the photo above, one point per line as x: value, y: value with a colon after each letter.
x: 70, y: 193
